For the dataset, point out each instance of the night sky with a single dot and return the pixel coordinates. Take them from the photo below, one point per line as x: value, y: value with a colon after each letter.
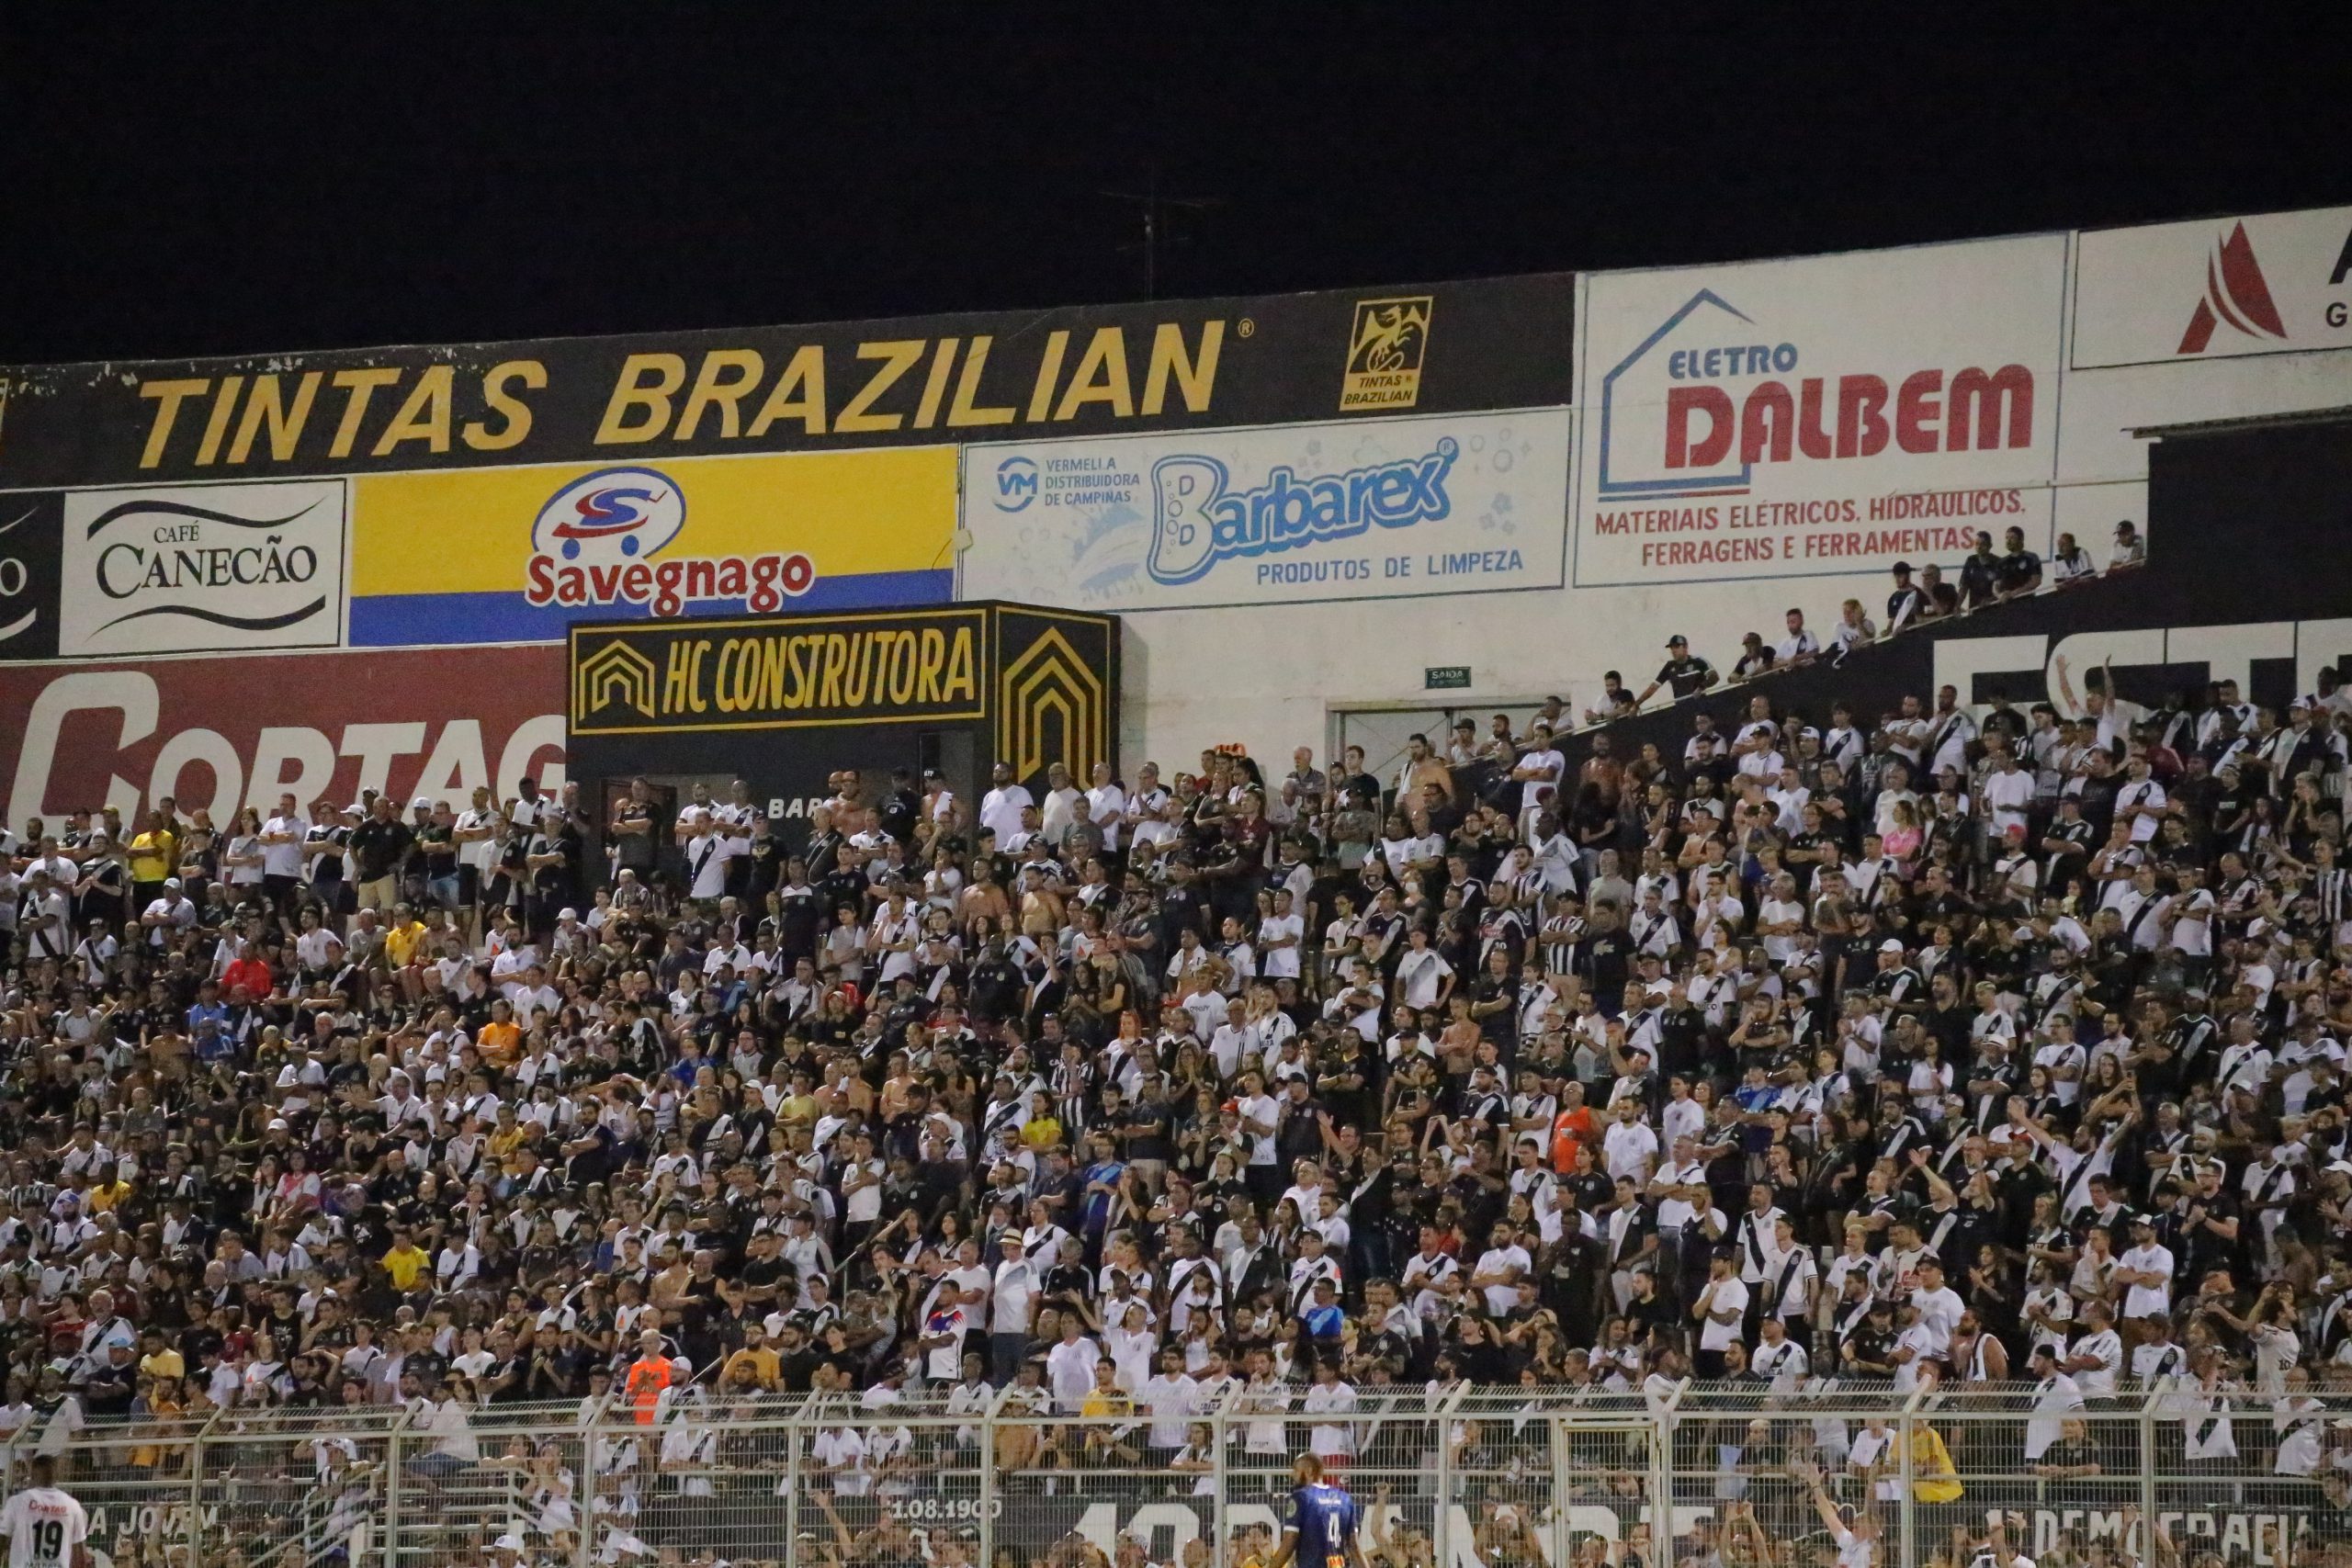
x: 306, y: 180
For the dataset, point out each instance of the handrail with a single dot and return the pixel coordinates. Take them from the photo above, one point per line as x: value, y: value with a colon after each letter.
x: 243, y: 1466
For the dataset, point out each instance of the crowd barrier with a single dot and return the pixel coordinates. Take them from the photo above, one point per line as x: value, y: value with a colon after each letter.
x: 1459, y: 1476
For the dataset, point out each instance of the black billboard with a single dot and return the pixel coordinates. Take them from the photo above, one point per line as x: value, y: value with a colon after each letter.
x: 787, y: 702
x: 1272, y: 359
x: 31, y: 535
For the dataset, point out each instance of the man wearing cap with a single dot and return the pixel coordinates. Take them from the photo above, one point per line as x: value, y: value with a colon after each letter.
x: 1904, y: 604
x: 1684, y: 672
x: 2145, y: 1272
x: 380, y: 846
x: 1896, y: 985
x: 170, y: 914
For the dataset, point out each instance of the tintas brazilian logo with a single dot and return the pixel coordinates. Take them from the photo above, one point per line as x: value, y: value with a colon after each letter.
x: 1385, y: 350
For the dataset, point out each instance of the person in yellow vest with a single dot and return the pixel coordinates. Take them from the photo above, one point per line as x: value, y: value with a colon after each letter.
x: 154, y: 857
x: 1933, y: 1477
x: 406, y: 1262
x: 500, y: 1041
x: 649, y: 1376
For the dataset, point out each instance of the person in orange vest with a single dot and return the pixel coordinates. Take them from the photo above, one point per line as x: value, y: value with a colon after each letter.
x: 649, y: 1376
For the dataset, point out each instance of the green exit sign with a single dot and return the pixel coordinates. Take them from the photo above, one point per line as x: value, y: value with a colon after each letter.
x: 1446, y: 678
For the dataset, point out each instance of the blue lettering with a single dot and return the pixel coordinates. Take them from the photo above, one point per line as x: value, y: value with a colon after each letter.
x: 1198, y: 521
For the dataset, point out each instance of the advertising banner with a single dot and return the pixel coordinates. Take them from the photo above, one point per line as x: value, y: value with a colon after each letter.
x: 2216, y: 289
x: 1370, y: 508
x: 726, y: 674
x: 221, y: 732
x: 32, y: 540
x: 782, y: 701
x: 920, y: 381
x: 1823, y: 415
x: 518, y: 554
x: 197, y: 568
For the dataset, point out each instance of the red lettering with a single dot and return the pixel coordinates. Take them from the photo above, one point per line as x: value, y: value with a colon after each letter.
x: 2011, y: 387
x: 1917, y: 412
x: 1682, y: 402
x: 1861, y: 416
x: 1813, y: 440
x: 1764, y: 424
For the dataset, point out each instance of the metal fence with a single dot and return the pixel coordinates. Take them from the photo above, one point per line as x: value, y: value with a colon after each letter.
x: 1717, y: 1476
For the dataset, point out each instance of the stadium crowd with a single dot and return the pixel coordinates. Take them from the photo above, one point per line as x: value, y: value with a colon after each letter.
x: 1932, y: 1045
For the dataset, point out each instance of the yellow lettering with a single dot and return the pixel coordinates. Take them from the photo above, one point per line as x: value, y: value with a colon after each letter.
x: 934, y: 654
x: 424, y: 415
x: 805, y: 375
x: 1049, y: 370
x: 633, y: 391
x: 715, y: 388
x: 721, y: 692
x: 168, y: 396
x: 796, y: 665
x: 677, y: 681
x: 284, y: 425
x: 514, y: 410
x: 361, y: 387
x: 224, y: 402
x: 862, y: 664
x: 771, y: 671
x: 1101, y: 377
x: 829, y: 689
x: 1195, y: 378
x: 897, y: 358
x: 934, y: 386
x: 962, y: 683
x: 903, y: 667
x: 694, y: 677
x: 967, y: 387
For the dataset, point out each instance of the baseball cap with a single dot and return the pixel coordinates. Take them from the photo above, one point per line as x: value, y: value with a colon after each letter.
x: 1902, y: 569
x: 1678, y: 640
x: 1892, y: 944
x: 421, y: 803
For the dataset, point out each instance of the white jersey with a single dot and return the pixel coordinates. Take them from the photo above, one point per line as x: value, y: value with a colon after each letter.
x: 43, y: 1525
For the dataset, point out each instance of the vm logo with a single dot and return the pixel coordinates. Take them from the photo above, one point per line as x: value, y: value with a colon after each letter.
x: 1016, y: 484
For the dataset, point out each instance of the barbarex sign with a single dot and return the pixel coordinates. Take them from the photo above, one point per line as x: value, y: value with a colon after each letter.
x: 202, y: 568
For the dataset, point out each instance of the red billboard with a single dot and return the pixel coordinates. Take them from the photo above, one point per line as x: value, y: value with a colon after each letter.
x: 227, y: 731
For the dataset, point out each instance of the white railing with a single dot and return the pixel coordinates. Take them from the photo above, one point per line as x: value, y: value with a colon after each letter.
x: 1449, y: 1477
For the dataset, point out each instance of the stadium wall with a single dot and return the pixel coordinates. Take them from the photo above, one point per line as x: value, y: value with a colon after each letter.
x: 1271, y: 493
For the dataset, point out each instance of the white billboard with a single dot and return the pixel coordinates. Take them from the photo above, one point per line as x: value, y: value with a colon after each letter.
x: 2215, y: 288
x: 1819, y: 416
x: 1365, y: 509
x: 189, y: 569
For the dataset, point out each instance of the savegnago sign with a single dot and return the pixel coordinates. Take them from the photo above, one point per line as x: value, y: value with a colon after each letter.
x: 1821, y: 415
x: 201, y: 567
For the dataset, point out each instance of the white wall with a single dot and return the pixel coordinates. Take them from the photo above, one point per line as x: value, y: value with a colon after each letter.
x: 1269, y: 676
